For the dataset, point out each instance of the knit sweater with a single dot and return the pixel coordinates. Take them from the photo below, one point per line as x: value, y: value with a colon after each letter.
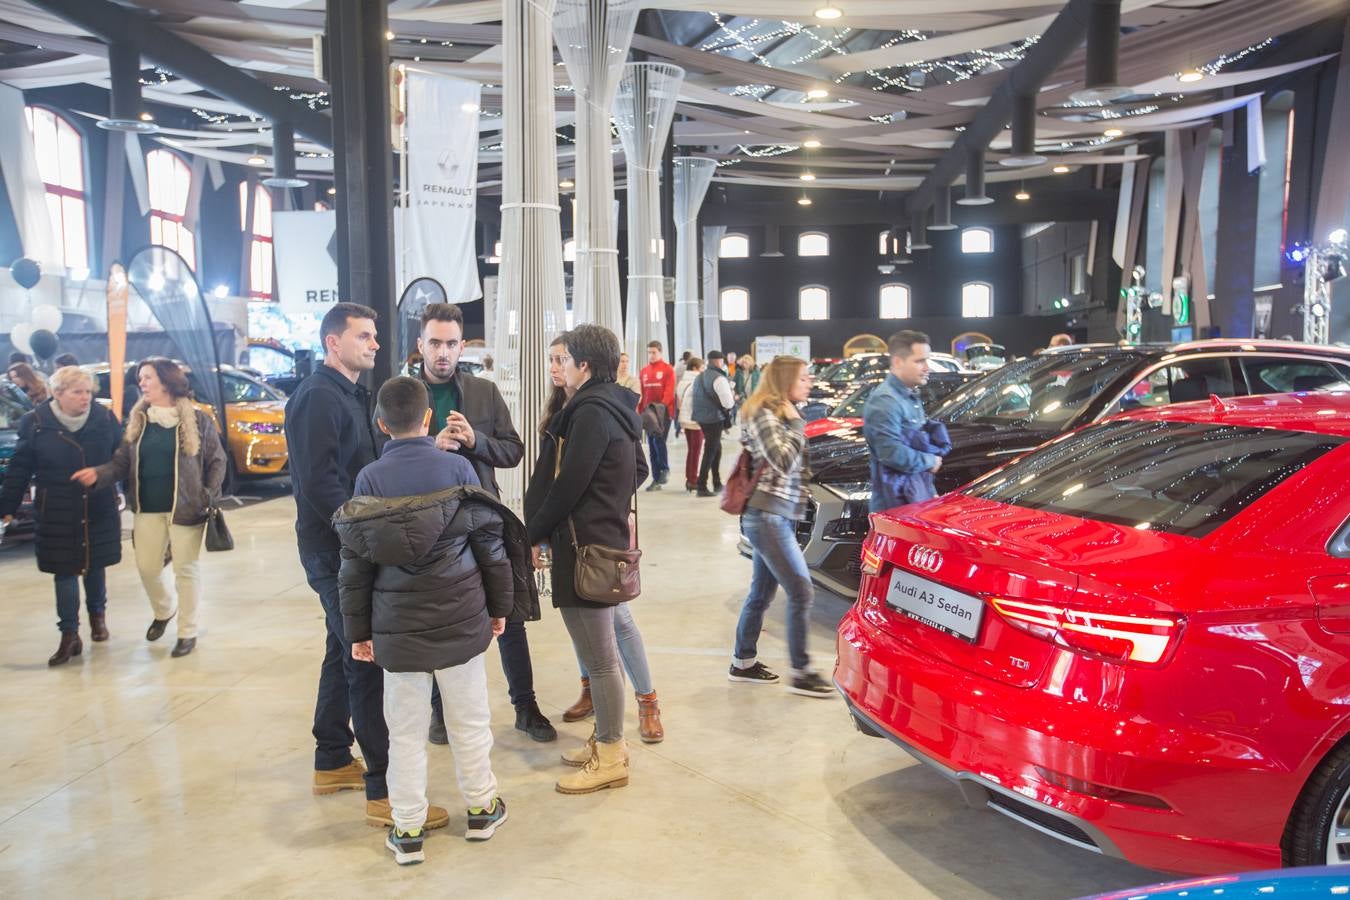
x: 781, y: 443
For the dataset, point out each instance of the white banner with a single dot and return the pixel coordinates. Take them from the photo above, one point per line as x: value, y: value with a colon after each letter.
x: 304, y: 245
x: 442, y: 148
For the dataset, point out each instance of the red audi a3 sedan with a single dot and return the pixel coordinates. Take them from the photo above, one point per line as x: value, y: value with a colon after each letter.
x: 1134, y: 638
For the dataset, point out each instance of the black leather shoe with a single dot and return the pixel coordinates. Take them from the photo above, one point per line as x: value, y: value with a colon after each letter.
x: 703, y: 492
x: 531, y: 721
x: 436, y: 733
x: 184, y: 646
x: 156, y: 629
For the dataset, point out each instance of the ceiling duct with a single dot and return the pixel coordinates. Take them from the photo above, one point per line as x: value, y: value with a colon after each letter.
x: 283, y: 158
x: 771, y: 247
x: 1023, y: 134
x: 918, y: 231
x: 126, y: 112
x: 942, y: 210
x: 975, y: 195
x: 1102, y: 69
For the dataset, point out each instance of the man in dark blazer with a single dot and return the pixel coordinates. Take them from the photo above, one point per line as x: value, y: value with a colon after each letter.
x: 469, y: 417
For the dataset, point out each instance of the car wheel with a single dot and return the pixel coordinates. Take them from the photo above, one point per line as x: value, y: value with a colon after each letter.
x: 1319, y: 828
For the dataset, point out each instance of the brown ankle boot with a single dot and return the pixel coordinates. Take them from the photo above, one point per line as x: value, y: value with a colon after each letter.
x: 70, y: 646
x: 98, y: 626
x: 583, y: 707
x: 649, y: 719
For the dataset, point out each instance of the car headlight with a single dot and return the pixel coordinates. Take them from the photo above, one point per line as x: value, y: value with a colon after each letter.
x: 850, y: 491
x: 258, y: 427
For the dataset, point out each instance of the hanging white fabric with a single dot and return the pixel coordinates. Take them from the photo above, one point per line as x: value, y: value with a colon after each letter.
x: 442, y: 196
x: 304, y: 248
x: 28, y: 199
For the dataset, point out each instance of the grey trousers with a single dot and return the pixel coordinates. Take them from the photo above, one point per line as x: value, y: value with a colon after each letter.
x: 593, y: 637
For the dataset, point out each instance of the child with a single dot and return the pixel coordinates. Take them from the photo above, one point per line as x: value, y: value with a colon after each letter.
x: 427, y: 581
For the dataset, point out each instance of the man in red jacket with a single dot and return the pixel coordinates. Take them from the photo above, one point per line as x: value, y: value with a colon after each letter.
x: 658, y: 387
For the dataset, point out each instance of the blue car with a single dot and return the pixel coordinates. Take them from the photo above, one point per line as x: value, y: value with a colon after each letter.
x: 1303, y: 884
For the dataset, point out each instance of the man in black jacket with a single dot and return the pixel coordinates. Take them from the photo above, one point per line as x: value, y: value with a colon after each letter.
x: 469, y: 417
x: 330, y: 438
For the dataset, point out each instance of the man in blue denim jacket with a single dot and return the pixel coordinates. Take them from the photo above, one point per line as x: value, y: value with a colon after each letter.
x: 892, y: 418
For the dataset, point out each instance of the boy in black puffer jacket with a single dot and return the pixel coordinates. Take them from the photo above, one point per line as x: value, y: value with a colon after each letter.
x: 430, y: 571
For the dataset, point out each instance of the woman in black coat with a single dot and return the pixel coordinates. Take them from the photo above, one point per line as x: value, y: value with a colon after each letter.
x: 595, y: 441
x: 79, y: 531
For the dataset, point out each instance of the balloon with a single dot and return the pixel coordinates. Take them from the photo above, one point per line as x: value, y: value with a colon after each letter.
x: 46, y: 317
x: 18, y: 336
x: 43, y: 343
x: 26, y: 272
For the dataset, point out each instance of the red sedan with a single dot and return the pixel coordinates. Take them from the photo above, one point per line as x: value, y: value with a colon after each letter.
x: 1134, y: 638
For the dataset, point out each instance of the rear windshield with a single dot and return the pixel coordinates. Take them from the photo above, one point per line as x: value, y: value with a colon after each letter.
x: 1176, y: 477
x: 1046, y: 392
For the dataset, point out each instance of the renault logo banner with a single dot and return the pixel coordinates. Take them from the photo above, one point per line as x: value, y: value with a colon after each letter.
x: 305, y: 248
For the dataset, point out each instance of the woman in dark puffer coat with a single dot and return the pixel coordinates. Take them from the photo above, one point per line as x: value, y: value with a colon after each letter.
x: 79, y: 533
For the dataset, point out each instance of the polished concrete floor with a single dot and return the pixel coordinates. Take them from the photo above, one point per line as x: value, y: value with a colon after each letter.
x: 131, y: 774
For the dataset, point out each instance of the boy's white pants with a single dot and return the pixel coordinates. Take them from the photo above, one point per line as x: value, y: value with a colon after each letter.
x: 407, y: 712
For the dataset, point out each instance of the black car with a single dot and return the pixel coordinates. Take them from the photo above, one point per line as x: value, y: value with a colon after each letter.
x: 837, y: 384
x: 1027, y: 402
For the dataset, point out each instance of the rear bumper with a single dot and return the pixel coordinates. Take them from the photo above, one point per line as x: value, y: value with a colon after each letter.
x: 995, y: 740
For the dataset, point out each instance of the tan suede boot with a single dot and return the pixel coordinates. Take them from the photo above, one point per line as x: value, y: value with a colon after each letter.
x: 649, y: 719
x: 580, y: 756
x: 583, y: 707
x: 608, y: 768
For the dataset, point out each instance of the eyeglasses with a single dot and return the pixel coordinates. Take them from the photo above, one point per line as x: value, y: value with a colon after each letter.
x: 560, y: 360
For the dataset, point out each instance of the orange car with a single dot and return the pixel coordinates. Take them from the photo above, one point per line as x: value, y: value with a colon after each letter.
x: 254, y: 411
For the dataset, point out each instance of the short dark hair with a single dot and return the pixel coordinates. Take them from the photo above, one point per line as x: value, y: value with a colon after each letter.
x: 655, y: 345
x: 902, y: 343
x: 402, y: 404
x: 17, y: 357
x: 169, y: 373
x: 66, y: 359
x: 596, y: 346
x: 442, y: 312
x: 335, y: 320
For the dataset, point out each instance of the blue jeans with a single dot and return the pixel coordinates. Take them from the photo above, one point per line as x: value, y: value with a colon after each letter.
x: 349, y: 690
x: 631, y: 650
x: 68, y: 597
x: 777, y: 560
x: 659, y: 454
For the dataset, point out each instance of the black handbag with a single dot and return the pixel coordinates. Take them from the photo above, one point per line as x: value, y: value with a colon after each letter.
x: 218, y: 537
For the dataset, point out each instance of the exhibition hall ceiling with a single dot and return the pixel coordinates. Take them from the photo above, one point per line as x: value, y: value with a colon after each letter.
x: 867, y: 101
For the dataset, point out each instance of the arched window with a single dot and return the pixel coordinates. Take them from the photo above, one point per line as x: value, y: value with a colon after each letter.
x: 894, y: 301
x: 60, y: 159
x: 977, y: 240
x: 569, y: 250
x: 884, y: 243
x: 813, y: 243
x: 170, y: 184
x: 977, y: 300
x: 734, y: 304
x: 813, y: 303
x: 733, y: 246
x: 259, y: 237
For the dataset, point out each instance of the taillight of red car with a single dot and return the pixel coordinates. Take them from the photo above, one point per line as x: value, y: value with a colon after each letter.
x: 1128, y: 640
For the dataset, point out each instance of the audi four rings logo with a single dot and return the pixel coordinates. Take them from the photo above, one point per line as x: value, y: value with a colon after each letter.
x: 925, y: 559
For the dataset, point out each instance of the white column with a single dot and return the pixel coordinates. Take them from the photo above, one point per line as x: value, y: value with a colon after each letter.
x: 593, y: 38
x: 530, y: 304
x: 692, y: 176
x: 712, y: 286
x: 643, y: 112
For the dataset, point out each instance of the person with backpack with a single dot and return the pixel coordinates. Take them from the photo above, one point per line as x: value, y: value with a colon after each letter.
x: 713, y: 402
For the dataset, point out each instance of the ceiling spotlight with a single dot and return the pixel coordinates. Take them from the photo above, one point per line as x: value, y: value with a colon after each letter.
x: 567, y: 184
x: 807, y: 176
x: 803, y: 200
x: 220, y: 292
x: 1190, y: 76
x: 332, y: 192
x: 1022, y: 194
x: 388, y: 35
x: 1060, y: 169
x: 147, y: 117
x: 829, y: 12
x: 817, y: 93
x: 1113, y: 132
x: 256, y: 160
x: 811, y: 143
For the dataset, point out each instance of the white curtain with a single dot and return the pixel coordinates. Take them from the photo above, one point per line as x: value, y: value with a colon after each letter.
x: 27, y: 197
x: 692, y: 177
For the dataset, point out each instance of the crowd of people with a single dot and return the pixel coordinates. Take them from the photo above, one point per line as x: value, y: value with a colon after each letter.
x: 418, y: 565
